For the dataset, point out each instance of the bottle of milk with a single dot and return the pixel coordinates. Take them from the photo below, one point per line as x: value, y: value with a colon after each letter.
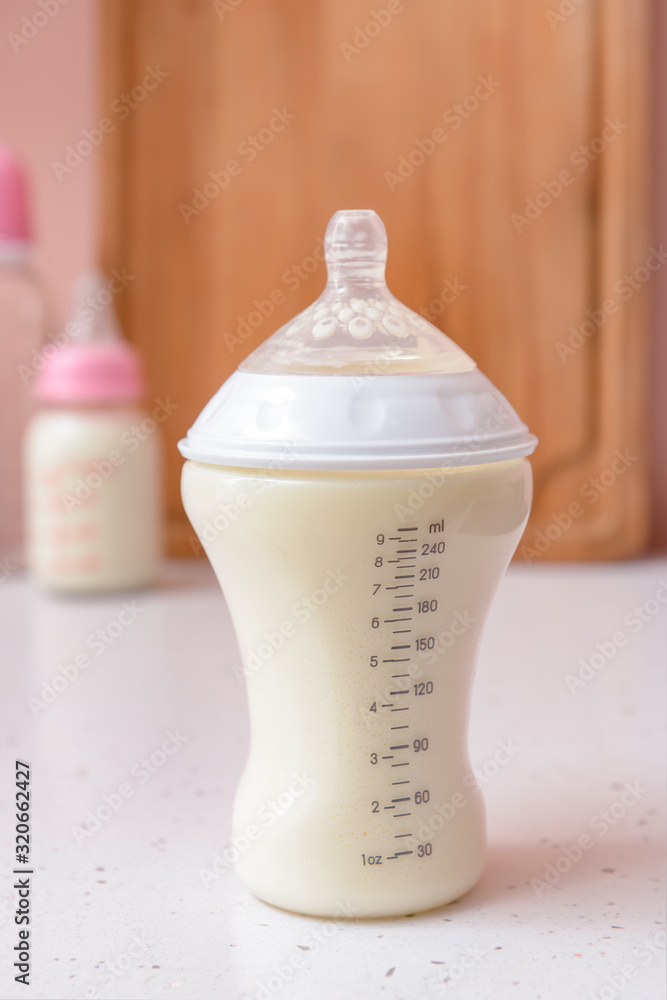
x: 92, y: 458
x: 359, y: 487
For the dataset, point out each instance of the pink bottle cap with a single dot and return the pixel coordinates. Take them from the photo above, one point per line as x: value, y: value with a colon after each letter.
x: 14, y: 224
x: 91, y: 373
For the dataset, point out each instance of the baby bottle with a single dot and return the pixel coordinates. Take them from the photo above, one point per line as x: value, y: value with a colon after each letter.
x: 359, y: 488
x: 92, y: 459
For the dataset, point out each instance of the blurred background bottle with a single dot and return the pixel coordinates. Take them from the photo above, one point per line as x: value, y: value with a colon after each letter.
x: 93, y: 456
x: 22, y: 330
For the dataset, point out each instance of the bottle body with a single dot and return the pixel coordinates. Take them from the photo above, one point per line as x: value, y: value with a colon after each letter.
x: 358, y: 601
x: 22, y: 325
x: 92, y: 478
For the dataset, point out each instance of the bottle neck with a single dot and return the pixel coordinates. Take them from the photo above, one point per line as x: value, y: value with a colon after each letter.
x: 15, y: 252
x: 344, y: 278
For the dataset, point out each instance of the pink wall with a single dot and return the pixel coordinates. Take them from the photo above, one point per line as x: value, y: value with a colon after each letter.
x: 48, y: 94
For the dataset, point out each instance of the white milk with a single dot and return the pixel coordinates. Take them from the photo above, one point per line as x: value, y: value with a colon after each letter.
x: 92, y: 479
x: 358, y: 791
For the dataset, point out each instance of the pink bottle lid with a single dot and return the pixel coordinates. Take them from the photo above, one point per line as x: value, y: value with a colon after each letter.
x: 95, y: 364
x: 91, y: 373
x: 14, y: 219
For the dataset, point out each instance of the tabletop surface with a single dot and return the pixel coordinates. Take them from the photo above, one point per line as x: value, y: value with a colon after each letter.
x: 147, y: 741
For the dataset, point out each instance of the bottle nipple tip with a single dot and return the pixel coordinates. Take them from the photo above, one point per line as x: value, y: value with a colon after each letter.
x: 355, y: 232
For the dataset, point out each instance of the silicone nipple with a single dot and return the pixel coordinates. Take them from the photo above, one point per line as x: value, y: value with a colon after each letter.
x: 357, y: 326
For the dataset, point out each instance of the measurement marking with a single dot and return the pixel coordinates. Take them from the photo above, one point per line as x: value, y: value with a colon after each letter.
x: 390, y: 757
x: 408, y: 576
x: 411, y: 608
x: 395, y: 538
x: 406, y: 709
x: 407, y: 691
x: 400, y: 675
x: 391, y: 857
x: 406, y: 529
x: 401, y: 586
x: 405, y: 782
x: 405, y: 799
x: 392, y: 621
x: 402, y: 647
x: 388, y: 705
x: 390, y: 807
x: 397, y: 835
x: 405, y: 550
x: 402, y: 746
x: 406, y: 764
x: 400, y: 727
x: 398, y: 853
x: 401, y: 631
x: 397, y: 815
x: 405, y: 659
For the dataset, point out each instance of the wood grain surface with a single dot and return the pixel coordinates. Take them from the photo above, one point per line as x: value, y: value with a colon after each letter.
x: 504, y: 144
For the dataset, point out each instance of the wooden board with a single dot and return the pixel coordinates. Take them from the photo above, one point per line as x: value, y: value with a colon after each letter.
x: 278, y: 114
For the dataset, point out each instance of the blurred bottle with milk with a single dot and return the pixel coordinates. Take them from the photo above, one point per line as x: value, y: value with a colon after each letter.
x: 92, y: 457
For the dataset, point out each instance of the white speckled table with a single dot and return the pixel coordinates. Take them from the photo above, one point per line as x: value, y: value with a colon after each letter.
x: 151, y: 734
